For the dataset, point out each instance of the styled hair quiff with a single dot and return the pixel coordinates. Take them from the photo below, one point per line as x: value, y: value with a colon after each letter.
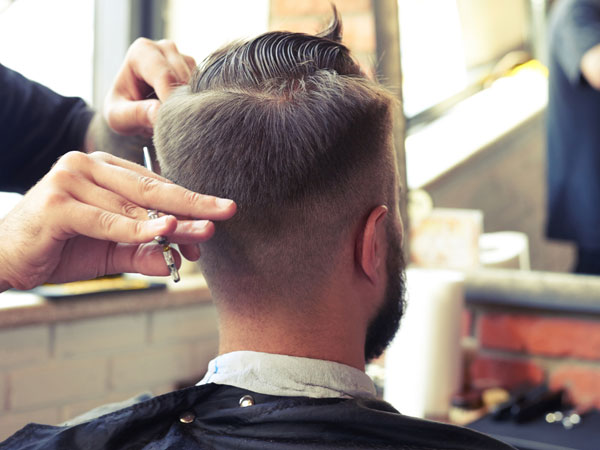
x: 288, y: 126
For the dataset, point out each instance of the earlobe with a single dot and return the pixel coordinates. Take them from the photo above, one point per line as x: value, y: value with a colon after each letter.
x: 369, y: 248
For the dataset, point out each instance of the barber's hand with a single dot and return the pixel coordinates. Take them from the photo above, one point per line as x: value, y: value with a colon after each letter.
x: 151, y: 69
x: 87, y: 217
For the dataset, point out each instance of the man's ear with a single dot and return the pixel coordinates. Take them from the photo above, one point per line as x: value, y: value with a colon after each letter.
x: 369, y: 243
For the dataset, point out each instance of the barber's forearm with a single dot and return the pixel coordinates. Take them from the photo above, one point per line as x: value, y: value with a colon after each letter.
x: 100, y: 137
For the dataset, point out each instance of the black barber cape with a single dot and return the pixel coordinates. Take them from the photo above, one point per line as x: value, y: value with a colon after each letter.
x: 37, y: 126
x: 211, y: 417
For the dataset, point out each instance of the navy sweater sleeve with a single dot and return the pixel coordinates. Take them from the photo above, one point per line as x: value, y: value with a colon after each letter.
x: 37, y: 125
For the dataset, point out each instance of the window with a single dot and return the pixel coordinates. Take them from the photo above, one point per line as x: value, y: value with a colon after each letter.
x: 449, y: 47
x: 51, y: 42
x: 199, y: 28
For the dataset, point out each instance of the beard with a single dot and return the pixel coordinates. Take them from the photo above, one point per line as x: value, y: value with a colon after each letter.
x: 385, y: 324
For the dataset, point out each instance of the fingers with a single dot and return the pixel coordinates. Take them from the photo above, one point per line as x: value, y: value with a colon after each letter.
x: 102, y: 157
x: 146, y: 259
x: 152, y: 193
x: 191, y: 252
x: 104, y: 225
x: 192, y: 232
x: 137, y: 117
x: 176, y: 60
x: 159, y: 65
x: 105, y: 197
x: 191, y: 62
x: 149, y: 67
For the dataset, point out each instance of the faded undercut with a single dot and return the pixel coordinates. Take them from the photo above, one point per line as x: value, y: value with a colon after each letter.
x: 288, y: 126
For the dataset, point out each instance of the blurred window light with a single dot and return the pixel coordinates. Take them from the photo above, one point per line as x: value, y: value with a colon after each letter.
x: 201, y: 27
x: 51, y: 42
x: 448, y: 47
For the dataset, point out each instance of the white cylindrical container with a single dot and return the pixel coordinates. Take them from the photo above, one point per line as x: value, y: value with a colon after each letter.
x: 423, y: 363
x: 504, y: 250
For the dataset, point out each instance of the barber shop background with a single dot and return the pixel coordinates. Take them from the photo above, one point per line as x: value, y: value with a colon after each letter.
x: 493, y: 303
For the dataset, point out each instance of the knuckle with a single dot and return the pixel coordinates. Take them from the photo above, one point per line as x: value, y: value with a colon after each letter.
x: 62, y: 177
x: 168, y: 75
x: 107, y: 222
x: 147, y: 185
x: 138, y: 228
x: 192, y: 197
x: 100, y: 156
x: 168, y: 44
x: 141, y: 42
x: 129, y: 209
x: 72, y: 159
x: 54, y: 199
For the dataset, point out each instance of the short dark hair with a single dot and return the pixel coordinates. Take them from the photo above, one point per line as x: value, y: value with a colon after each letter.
x: 287, y: 125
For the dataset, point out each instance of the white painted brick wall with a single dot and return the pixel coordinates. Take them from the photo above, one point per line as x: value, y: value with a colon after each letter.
x: 152, y: 366
x: 202, y: 352
x: 56, y: 382
x: 97, y: 335
x: 11, y: 422
x: 49, y: 374
x: 182, y: 324
x: 19, y: 346
x: 75, y: 409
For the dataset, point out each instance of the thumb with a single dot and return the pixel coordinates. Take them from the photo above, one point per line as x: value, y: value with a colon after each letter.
x: 132, y: 117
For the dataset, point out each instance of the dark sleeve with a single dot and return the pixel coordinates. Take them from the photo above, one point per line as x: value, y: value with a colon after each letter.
x: 576, y: 29
x: 37, y: 125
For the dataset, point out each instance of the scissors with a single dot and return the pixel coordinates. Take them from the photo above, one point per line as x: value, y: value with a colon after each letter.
x: 161, y: 240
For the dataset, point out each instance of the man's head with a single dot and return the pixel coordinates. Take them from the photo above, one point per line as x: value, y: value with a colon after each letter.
x: 288, y: 126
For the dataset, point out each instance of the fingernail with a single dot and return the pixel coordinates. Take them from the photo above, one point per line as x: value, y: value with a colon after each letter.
x: 201, y: 224
x: 157, y: 224
x: 224, y: 203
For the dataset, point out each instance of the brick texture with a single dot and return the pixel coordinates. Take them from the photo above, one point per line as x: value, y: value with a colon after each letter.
x: 487, y: 371
x: 184, y: 324
x: 201, y: 353
x: 74, y: 409
x: 57, y: 382
x: 541, y: 335
x: 10, y: 423
x: 24, y: 345
x: 96, y: 335
x: 151, y: 367
x: 582, y: 384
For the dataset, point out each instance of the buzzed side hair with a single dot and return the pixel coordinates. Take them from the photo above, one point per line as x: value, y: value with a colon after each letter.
x: 287, y: 125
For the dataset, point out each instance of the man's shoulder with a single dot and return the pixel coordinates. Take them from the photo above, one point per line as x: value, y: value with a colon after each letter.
x: 214, y: 416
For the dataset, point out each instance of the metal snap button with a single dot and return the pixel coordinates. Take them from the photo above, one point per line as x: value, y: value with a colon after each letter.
x: 246, y: 400
x: 187, y: 417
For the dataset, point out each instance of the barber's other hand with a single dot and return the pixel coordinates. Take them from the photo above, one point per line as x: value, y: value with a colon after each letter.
x: 87, y: 217
x: 151, y: 70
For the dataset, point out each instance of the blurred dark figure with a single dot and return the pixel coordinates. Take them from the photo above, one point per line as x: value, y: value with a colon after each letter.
x: 574, y: 129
